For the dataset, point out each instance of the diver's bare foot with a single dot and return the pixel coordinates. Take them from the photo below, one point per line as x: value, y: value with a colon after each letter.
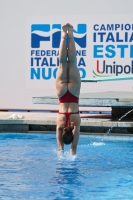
x: 64, y: 30
x: 70, y: 30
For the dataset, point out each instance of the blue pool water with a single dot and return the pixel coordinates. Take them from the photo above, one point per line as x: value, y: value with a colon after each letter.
x: 31, y: 168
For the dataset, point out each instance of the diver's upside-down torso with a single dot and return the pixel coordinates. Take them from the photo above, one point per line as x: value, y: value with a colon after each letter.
x: 68, y: 115
x: 68, y: 109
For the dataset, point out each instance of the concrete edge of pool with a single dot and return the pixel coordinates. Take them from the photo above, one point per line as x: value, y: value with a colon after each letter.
x: 41, y: 122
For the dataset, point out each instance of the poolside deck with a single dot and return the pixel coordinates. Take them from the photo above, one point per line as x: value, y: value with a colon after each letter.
x: 120, y: 102
x: 90, y: 123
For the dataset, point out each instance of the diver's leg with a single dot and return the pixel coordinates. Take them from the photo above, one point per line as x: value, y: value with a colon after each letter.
x: 71, y: 45
x: 61, y: 76
x: 74, y: 81
x: 63, y: 48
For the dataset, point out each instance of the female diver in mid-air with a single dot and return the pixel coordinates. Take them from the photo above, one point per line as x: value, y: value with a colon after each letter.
x: 68, y: 89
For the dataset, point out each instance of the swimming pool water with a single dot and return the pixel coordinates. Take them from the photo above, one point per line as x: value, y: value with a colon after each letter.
x: 31, y: 168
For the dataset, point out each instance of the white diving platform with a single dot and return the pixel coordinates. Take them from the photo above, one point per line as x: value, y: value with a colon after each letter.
x: 99, y: 99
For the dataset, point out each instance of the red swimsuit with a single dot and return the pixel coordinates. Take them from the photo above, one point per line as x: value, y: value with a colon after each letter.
x: 68, y: 98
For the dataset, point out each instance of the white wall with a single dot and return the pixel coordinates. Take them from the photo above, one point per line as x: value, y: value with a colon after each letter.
x: 13, y: 18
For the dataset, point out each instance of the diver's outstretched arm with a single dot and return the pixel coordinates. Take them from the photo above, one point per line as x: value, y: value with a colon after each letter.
x: 76, y: 133
x: 59, y: 138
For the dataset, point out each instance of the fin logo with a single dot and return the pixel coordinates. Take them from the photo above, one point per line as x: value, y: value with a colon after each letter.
x: 42, y: 33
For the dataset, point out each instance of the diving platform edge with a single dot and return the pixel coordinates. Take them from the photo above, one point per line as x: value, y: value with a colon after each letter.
x: 99, y: 99
x: 108, y: 78
x: 120, y: 102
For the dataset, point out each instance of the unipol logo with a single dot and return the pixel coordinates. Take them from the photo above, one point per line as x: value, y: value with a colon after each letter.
x: 52, y: 33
